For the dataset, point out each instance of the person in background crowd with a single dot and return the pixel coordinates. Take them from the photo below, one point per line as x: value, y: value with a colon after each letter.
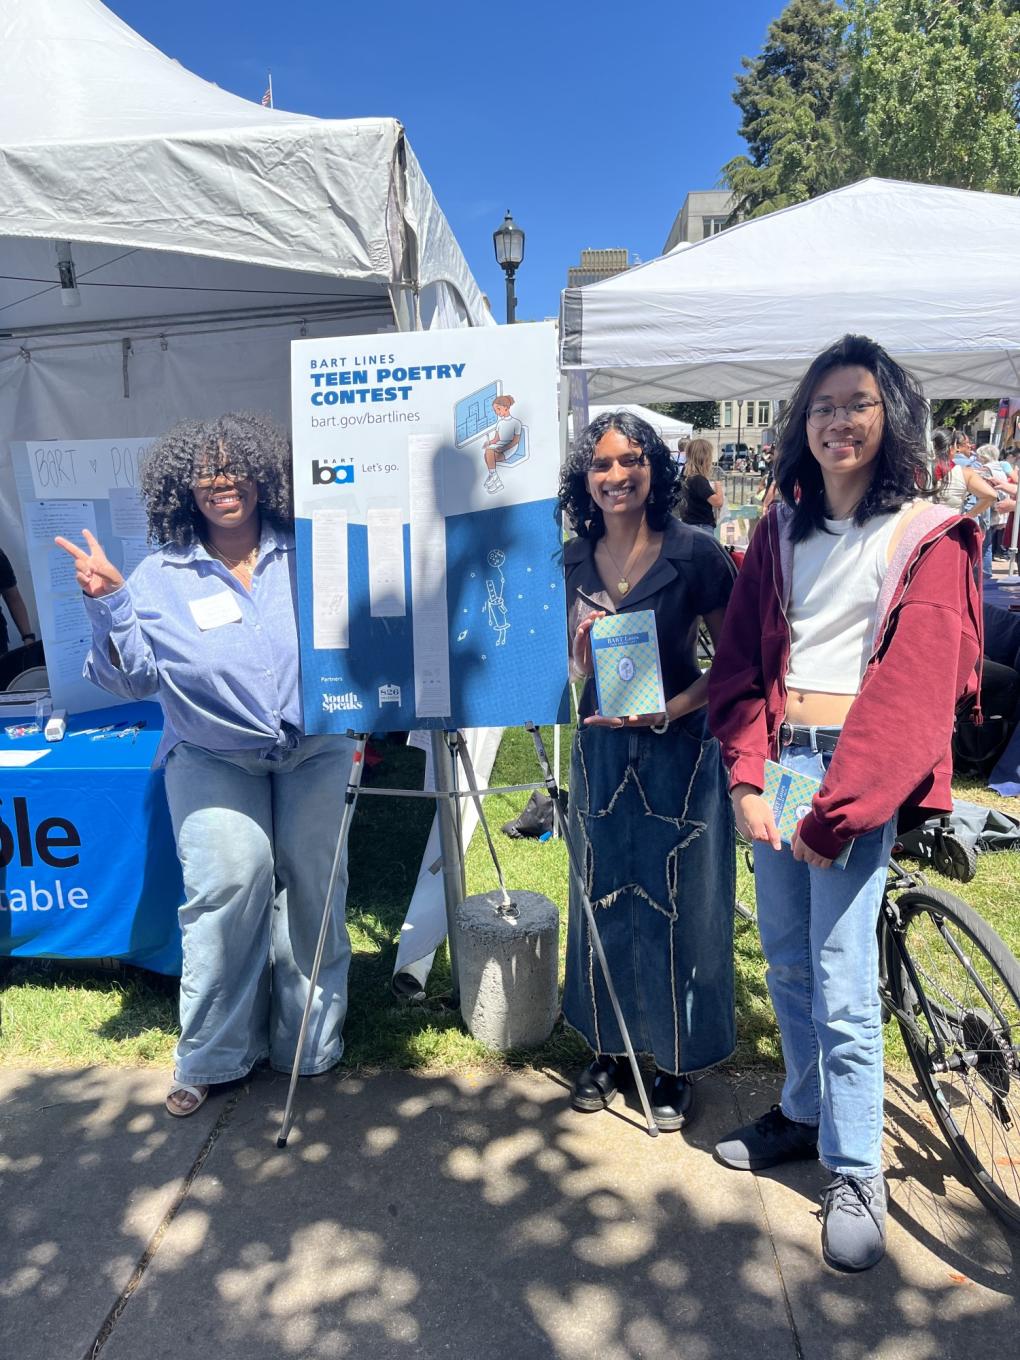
x: 999, y: 477
x: 941, y: 454
x: 857, y: 597
x: 207, y: 626
x: 702, y: 499
x: 964, y: 489
x: 12, y: 598
x: 648, y: 807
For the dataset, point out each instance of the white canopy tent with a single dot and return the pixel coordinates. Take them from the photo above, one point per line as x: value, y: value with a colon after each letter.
x: 668, y: 429
x: 205, y: 232
x: 932, y: 273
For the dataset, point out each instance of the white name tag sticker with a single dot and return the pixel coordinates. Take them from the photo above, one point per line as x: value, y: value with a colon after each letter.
x: 213, y: 611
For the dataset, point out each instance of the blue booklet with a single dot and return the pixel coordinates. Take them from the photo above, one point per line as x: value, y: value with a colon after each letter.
x: 790, y: 795
x: 628, y: 676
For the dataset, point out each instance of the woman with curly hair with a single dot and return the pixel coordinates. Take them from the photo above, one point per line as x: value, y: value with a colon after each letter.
x: 207, y: 626
x: 648, y: 798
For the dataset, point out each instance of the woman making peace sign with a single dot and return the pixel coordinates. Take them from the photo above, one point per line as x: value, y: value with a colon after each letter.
x: 207, y: 626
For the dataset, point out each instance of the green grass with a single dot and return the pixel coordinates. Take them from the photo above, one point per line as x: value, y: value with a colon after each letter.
x: 59, y: 1015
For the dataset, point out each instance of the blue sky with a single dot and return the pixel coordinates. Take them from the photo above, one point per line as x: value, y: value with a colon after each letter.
x: 588, y: 121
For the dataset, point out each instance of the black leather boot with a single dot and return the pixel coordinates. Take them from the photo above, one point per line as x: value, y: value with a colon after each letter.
x: 597, y: 1085
x: 671, y: 1101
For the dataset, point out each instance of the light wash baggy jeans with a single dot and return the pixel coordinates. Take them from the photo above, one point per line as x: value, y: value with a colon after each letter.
x: 818, y: 932
x: 256, y: 836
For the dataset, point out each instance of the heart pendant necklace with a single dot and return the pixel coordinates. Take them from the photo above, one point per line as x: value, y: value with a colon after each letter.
x: 623, y: 584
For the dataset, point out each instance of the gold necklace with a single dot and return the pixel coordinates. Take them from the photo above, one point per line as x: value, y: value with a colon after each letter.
x: 251, y: 557
x: 623, y: 584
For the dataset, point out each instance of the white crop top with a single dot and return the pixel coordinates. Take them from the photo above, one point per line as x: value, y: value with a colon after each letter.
x: 833, y: 605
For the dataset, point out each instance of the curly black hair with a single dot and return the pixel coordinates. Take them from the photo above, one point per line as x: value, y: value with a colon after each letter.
x: 582, y: 514
x: 252, y: 442
x: 900, y: 471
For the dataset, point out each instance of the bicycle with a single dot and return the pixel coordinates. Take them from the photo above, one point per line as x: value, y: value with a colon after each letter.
x: 954, y: 989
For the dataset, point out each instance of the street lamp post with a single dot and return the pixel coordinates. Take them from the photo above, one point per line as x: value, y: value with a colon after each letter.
x: 508, y: 243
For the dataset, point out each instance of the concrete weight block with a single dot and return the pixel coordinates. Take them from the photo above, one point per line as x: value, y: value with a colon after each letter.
x: 508, y: 969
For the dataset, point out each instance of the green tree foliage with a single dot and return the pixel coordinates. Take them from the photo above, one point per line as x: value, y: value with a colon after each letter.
x: 933, y: 91
x: 922, y: 90
x: 703, y: 415
x: 786, y: 97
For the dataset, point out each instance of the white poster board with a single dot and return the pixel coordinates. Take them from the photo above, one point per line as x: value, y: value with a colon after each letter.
x: 430, y: 585
x: 66, y: 486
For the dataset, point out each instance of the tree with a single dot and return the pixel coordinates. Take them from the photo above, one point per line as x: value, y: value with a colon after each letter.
x: 787, y: 98
x: 703, y: 415
x: 954, y: 413
x: 933, y: 91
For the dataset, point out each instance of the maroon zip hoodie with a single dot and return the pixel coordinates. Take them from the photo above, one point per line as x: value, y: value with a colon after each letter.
x: 894, y: 749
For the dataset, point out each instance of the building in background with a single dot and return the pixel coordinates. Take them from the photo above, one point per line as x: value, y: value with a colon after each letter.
x: 705, y: 213
x: 597, y: 264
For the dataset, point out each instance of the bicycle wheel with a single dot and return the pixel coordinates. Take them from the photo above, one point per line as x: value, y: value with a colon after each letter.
x: 953, y: 975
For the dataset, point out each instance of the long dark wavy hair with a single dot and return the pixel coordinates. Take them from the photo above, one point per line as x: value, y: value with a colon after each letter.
x: 900, y: 471
x: 575, y: 503
x: 252, y: 442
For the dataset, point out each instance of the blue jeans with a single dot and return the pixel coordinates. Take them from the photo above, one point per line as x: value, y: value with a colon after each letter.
x: 818, y: 932
x: 256, y: 836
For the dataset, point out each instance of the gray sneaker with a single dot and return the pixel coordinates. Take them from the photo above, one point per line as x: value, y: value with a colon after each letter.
x: 853, y: 1222
x: 769, y: 1141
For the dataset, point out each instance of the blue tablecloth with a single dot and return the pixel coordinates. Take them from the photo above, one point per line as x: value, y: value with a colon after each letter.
x: 88, y: 867
x: 1002, y: 643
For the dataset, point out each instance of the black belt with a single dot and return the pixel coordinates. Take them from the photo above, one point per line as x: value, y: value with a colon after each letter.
x: 820, y: 738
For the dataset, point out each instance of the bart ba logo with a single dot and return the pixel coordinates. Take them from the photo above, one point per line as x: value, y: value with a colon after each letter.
x: 331, y: 474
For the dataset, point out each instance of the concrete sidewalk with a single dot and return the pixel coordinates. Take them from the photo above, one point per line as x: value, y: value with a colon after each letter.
x: 461, y: 1217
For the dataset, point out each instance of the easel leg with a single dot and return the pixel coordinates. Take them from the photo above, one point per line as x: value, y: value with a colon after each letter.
x: 472, y: 783
x: 575, y: 869
x: 350, y: 799
x: 444, y: 771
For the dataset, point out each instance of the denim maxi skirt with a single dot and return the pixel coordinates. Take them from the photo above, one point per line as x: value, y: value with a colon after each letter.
x: 651, y: 819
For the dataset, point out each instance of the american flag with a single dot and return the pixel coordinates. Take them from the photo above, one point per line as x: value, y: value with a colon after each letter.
x: 267, y: 99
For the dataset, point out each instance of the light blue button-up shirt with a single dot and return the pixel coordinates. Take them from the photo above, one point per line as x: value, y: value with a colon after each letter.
x: 226, y: 686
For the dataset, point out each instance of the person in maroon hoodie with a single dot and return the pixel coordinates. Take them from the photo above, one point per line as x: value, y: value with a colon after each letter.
x: 853, y: 633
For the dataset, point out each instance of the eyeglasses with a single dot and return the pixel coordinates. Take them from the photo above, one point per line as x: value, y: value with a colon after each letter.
x: 207, y: 474
x: 820, y: 415
x: 628, y: 462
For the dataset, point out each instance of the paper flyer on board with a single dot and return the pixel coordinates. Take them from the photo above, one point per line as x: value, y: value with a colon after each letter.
x: 65, y: 486
x: 628, y: 676
x: 789, y: 795
x: 430, y: 586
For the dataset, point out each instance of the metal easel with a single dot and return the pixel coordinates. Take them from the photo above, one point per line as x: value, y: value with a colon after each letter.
x: 446, y: 748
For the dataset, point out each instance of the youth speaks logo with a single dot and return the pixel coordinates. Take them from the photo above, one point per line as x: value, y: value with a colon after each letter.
x: 332, y: 474
x: 342, y: 703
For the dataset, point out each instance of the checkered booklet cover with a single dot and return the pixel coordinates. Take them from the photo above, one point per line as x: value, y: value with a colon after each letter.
x: 790, y: 796
x: 628, y: 677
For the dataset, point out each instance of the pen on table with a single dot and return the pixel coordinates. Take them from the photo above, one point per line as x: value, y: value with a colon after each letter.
x: 120, y: 730
x: 91, y: 731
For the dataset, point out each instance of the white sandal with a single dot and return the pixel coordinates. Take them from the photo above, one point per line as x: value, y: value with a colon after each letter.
x: 199, y: 1093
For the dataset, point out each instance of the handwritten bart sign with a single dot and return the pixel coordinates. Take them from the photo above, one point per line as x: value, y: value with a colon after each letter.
x: 65, y: 486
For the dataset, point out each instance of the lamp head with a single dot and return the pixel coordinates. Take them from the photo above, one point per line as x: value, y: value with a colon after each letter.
x: 508, y: 243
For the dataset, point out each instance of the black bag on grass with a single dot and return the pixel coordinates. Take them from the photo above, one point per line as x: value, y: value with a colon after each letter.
x: 952, y: 844
x: 537, y: 818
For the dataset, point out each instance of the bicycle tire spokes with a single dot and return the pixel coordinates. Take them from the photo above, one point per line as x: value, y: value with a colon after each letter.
x: 956, y: 989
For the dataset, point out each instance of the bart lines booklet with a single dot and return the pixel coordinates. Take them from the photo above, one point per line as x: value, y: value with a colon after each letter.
x: 790, y: 795
x: 628, y: 677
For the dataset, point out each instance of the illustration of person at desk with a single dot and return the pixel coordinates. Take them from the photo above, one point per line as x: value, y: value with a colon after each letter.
x: 507, y: 444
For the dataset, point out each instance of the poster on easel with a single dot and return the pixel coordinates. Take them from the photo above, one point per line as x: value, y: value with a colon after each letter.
x: 65, y: 486
x: 430, y: 587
